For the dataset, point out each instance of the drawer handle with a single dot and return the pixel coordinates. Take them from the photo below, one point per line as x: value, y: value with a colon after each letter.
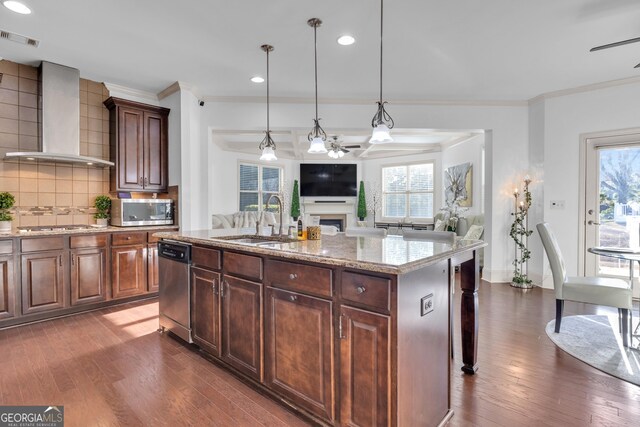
x: 293, y: 298
x: 293, y: 276
x: 361, y: 289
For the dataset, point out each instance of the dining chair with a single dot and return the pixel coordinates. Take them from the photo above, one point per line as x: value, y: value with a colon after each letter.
x: 430, y: 235
x: 365, y: 231
x: 591, y: 290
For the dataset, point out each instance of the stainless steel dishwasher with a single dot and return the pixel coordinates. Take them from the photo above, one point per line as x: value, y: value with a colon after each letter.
x: 174, y: 259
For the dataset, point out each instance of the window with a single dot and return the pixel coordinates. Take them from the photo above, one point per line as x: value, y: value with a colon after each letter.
x: 408, y: 191
x: 257, y: 183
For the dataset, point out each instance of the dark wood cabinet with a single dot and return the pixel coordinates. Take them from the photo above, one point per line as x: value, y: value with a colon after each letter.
x: 88, y: 275
x: 205, y: 309
x: 242, y: 325
x: 128, y: 270
x: 43, y: 281
x: 153, y: 284
x: 7, y: 288
x: 364, y: 368
x: 299, y: 350
x: 139, y: 144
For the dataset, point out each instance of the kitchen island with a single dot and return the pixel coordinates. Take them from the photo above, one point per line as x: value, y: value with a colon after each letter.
x: 347, y: 330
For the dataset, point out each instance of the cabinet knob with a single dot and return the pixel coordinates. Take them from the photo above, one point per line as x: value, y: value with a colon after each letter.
x: 128, y: 237
x: 361, y: 289
x: 293, y: 298
x: 293, y: 276
x: 140, y: 181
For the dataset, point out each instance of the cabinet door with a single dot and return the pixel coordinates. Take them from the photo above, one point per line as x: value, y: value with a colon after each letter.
x: 155, y: 151
x: 364, y: 368
x: 299, y: 350
x: 205, y: 309
x: 88, y: 275
x: 152, y: 268
x: 42, y: 281
x: 128, y: 271
x: 7, y: 288
x: 241, y: 325
x: 130, y: 149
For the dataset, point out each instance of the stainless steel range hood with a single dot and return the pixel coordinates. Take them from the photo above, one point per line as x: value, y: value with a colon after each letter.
x: 60, y: 112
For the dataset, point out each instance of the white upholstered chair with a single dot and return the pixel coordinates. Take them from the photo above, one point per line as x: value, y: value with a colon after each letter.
x: 432, y: 236
x: 591, y: 290
x: 365, y: 231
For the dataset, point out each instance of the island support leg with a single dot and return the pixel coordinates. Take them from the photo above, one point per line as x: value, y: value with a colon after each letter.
x: 469, y: 282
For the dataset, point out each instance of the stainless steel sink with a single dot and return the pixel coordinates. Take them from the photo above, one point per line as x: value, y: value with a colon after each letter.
x: 251, y: 240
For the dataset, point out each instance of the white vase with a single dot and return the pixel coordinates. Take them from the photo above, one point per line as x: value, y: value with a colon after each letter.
x: 102, y: 222
x: 5, y: 226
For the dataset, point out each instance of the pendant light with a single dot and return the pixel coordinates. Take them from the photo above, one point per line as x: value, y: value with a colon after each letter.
x: 267, y: 145
x: 317, y: 136
x: 382, y: 122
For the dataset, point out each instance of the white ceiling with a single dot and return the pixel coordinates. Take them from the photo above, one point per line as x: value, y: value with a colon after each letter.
x: 434, y: 50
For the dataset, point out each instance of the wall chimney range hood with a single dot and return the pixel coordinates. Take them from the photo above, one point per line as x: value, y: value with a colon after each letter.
x: 59, y: 111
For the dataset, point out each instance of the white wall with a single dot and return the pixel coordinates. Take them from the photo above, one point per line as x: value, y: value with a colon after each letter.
x: 468, y: 151
x: 565, y: 119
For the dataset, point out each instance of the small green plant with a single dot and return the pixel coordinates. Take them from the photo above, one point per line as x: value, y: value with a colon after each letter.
x: 6, y: 202
x: 362, y: 203
x: 295, y: 201
x: 102, y: 205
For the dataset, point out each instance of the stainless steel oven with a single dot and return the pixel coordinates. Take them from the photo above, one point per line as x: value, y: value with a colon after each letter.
x: 132, y: 212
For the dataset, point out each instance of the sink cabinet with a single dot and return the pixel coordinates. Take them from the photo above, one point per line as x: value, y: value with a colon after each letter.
x: 205, y: 309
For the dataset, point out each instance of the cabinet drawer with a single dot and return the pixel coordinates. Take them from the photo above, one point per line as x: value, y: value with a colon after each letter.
x: 6, y: 246
x: 94, y: 241
x: 366, y: 290
x: 42, y: 244
x: 299, y: 277
x: 206, y: 258
x: 243, y: 265
x: 120, y: 239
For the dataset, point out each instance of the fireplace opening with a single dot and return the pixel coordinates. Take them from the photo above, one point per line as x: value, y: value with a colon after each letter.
x: 338, y: 223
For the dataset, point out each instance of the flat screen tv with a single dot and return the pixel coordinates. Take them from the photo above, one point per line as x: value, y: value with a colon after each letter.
x: 322, y: 179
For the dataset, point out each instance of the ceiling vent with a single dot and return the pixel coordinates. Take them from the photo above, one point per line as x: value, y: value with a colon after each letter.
x: 18, y: 38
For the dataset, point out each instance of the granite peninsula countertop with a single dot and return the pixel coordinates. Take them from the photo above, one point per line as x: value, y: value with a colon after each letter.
x: 391, y: 254
x: 88, y: 230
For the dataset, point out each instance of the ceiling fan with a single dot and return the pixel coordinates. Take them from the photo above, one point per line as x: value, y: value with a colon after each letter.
x: 616, y: 44
x: 337, y: 150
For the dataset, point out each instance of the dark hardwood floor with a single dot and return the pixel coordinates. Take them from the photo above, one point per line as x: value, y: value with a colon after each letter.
x: 111, y: 367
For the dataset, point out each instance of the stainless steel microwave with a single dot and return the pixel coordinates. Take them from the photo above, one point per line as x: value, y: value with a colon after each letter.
x: 132, y: 212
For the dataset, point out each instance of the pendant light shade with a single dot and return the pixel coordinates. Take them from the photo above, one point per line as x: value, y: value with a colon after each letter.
x: 382, y: 122
x: 317, y: 136
x: 267, y: 145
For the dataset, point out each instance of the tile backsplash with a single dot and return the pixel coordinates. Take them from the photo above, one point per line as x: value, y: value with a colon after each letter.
x: 50, y: 193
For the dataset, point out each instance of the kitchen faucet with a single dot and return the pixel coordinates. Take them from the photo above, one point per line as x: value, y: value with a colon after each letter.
x: 280, y: 208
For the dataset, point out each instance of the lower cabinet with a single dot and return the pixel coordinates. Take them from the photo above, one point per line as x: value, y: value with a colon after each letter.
x: 364, y: 368
x: 241, y: 325
x: 88, y: 275
x: 205, y: 309
x: 7, y: 288
x: 128, y: 270
x: 152, y: 268
x: 299, y: 350
x: 42, y: 281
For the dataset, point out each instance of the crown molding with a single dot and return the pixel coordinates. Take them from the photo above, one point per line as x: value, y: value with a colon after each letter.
x: 584, y: 88
x: 355, y: 101
x: 176, y: 87
x: 120, y: 91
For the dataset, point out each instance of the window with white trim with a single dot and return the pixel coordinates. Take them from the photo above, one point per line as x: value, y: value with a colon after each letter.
x: 408, y: 191
x: 257, y: 183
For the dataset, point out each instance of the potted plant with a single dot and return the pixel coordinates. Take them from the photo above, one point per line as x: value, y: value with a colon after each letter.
x: 102, y: 205
x: 295, y: 201
x: 6, y: 202
x: 362, y: 203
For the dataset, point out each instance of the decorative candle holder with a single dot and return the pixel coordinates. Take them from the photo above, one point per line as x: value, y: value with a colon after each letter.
x: 520, y: 234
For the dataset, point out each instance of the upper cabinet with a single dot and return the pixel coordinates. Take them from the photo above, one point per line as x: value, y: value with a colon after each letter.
x: 139, y: 144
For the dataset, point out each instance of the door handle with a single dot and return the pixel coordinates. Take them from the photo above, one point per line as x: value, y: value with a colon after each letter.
x: 590, y: 222
x: 146, y: 181
x: 140, y: 181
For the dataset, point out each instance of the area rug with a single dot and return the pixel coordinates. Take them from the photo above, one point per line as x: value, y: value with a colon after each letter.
x: 594, y: 339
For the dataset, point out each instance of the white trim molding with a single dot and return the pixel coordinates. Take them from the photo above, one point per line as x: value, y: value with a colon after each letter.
x: 120, y: 91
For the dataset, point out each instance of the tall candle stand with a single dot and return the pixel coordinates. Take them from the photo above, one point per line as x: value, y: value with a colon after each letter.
x: 520, y: 234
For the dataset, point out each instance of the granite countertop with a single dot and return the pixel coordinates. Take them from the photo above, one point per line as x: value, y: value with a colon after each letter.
x: 89, y: 230
x: 391, y: 254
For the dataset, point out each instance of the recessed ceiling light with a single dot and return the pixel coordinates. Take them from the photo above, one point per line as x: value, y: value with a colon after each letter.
x: 257, y: 79
x: 346, y: 40
x: 17, y: 7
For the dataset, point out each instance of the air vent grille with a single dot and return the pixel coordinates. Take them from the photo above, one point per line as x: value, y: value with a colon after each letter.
x: 18, y: 38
